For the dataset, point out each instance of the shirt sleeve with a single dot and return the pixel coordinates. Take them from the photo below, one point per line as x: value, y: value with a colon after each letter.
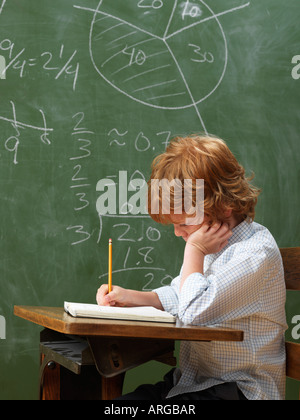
x: 232, y: 292
x: 168, y: 296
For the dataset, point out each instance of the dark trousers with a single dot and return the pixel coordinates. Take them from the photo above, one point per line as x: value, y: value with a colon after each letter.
x: 159, y: 391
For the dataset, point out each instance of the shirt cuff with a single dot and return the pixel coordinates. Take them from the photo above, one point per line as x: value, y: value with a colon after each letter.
x: 168, y: 298
x: 193, y: 288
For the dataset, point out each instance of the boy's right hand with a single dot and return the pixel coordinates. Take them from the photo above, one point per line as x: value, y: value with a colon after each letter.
x: 126, y: 297
x: 117, y: 297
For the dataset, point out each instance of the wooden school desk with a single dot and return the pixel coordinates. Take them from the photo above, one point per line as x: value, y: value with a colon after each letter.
x: 114, y: 346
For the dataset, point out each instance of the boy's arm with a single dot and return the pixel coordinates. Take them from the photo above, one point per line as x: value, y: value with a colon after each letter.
x: 206, y: 240
x: 126, y: 297
x: 232, y: 292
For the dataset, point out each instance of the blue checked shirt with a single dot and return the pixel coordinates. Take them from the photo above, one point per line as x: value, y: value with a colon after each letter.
x: 242, y: 288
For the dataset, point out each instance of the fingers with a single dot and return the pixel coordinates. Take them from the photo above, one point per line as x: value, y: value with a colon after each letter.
x: 114, y: 298
x: 222, y: 229
x: 224, y: 233
x: 221, y: 232
x: 102, y: 297
x: 205, y: 227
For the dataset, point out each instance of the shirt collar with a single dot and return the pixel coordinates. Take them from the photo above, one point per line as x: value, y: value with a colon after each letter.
x: 241, y: 231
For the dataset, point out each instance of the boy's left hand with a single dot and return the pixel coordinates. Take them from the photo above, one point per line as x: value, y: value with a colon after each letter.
x: 210, y: 239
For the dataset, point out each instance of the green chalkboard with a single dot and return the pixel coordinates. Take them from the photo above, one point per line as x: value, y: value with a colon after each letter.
x: 93, y: 89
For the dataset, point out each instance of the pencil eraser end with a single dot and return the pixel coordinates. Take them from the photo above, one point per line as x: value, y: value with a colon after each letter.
x: 110, y: 241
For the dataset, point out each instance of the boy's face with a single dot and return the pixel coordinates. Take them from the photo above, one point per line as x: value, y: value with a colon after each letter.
x: 182, y: 229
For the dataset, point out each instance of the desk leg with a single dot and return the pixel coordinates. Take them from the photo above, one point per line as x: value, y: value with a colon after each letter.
x: 112, y: 356
x: 60, y: 383
x: 49, y: 384
x: 112, y: 387
x: 50, y: 388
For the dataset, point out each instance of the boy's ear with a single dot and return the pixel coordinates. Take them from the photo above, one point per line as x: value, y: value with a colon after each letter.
x: 227, y: 212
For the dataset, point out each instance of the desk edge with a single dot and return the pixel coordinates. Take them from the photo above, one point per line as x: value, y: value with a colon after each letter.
x: 64, y: 328
x: 60, y: 326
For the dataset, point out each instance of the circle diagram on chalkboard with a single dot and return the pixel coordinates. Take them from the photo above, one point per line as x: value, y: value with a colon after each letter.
x: 167, y: 55
x: 170, y: 71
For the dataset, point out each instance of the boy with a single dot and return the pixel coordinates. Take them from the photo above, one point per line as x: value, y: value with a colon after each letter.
x: 232, y: 276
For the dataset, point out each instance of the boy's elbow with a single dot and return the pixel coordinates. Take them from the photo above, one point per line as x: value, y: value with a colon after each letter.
x: 200, y: 316
x: 187, y: 317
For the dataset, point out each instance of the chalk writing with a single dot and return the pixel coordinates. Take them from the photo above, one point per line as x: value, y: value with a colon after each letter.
x: 130, y: 235
x: 12, y: 142
x: 47, y: 61
x: 192, y: 10
x: 136, y: 56
x: 2, y: 4
x: 141, y: 143
x: 202, y: 57
x: 2, y: 328
x: 2, y: 67
x: 139, y: 252
x: 154, y: 276
x: 136, y: 243
x: 80, y: 182
x: 154, y: 4
x: 133, y: 69
x: 151, y: 281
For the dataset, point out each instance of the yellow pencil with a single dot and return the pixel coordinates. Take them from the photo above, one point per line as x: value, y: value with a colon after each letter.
x: 109, y: 266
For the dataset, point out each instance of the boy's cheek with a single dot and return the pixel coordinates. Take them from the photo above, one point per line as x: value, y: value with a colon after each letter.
x: 193, y: 229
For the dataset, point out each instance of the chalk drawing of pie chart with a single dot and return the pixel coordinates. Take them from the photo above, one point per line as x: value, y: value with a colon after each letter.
x: 177, y: 70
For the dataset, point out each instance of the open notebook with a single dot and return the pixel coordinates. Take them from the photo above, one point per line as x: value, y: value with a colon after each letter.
x: 142, y: 313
